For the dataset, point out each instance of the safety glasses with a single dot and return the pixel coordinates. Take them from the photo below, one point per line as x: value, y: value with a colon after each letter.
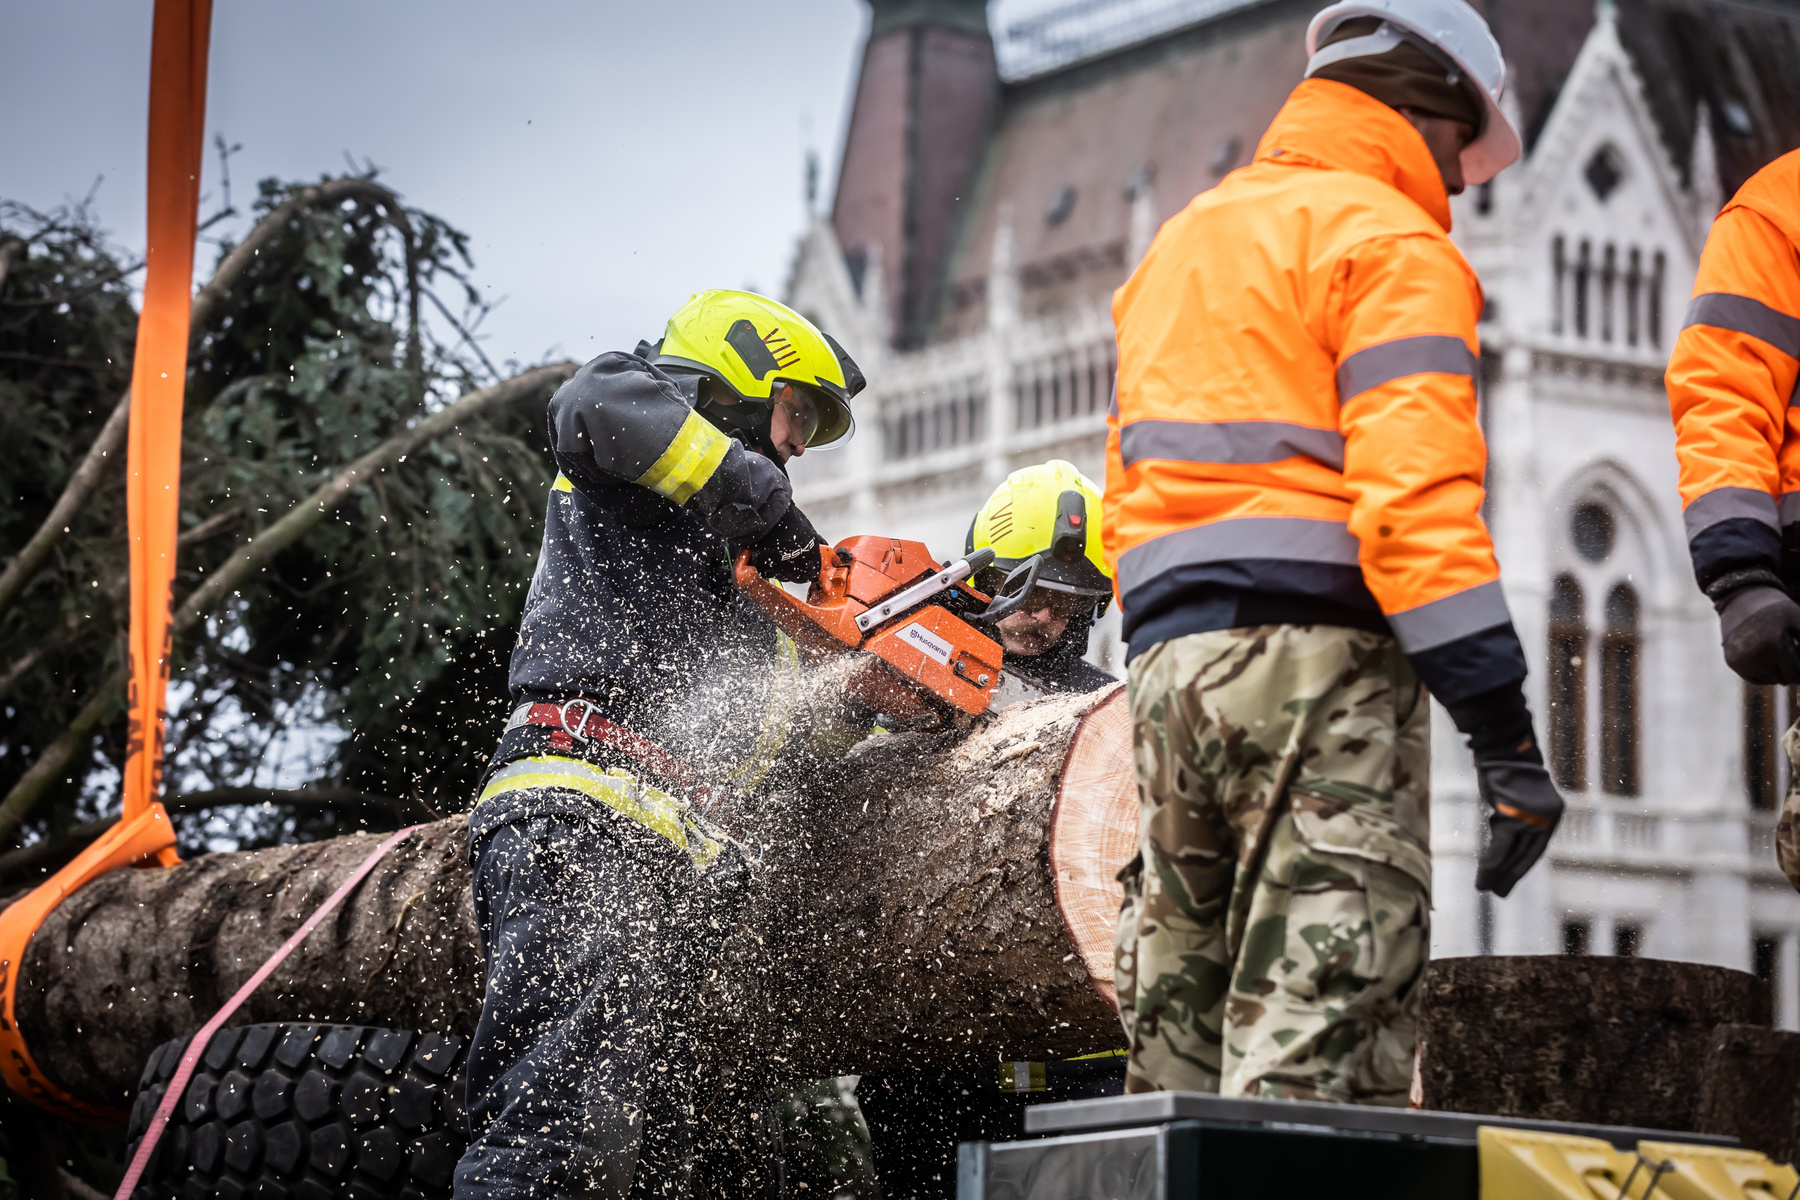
x: 803, y: 411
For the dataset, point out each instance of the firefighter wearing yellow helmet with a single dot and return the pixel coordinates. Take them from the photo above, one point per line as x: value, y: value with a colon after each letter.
x: 590, y: 863
x: 1050, y: 581
x: 1048, y: 575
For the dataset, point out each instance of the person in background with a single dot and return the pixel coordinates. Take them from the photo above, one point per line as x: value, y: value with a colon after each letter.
x: 1043, y: 524
x: 1293, y: 506
x: 1732, y: 382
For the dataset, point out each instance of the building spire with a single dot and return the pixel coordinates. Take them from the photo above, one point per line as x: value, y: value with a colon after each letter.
x: 925, y: 100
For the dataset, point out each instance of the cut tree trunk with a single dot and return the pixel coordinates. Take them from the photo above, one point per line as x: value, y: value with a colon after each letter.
x: 1606, y: 1041
x: 914, y: 904
x: 1752, y: 1089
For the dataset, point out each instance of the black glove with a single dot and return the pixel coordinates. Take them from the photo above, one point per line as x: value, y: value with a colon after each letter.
x: 764, y: 496
x: 1759, y: 627
x: 1522, y: 802
x: 789, y: 551
x: 1525, y: 810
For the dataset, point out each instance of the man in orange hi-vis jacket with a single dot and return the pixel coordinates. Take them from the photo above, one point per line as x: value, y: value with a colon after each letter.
x: 1293, y: 494
x: 1732, y: 387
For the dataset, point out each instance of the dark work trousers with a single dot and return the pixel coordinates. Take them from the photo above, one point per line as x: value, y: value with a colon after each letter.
x: 580, y: 1077
x: 917, y: 1118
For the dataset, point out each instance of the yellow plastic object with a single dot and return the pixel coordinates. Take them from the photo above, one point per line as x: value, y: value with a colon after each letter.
x: 1713, y: 1173
x: 1519, y: 1164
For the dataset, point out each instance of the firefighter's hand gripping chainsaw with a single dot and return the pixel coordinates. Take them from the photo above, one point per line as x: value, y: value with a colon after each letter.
x: 903, y: 624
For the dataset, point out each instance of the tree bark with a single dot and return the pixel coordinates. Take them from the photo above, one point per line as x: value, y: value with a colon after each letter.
x: 1606, y: 1041
x: 1752, y: 1089
x: 903, y: 910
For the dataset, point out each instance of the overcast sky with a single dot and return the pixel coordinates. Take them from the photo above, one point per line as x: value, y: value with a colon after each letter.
x: 607, y: 158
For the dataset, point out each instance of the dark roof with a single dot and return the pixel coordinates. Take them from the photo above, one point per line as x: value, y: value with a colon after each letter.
x: 1185, y: 106
x: 1741, y: 58
x: 1177, y: 111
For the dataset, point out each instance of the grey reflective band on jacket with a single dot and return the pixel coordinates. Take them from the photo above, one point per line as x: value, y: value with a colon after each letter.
x: 1229, y: 442
x: 1384, y: 362
x: 1726, y: 504
x: 1788, y: 509
x: 1297, y: 539
x: 1741, y: 314
x: 1455, y: 616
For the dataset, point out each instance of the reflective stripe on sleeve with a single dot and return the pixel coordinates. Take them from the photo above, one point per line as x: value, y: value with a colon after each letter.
x: 1729, y: 503
x: 1741, y: 314
x: 1384, y: 362
x: 562, y: 483
x: 1229, y: 442
x: 1301, y: 539
x: 1788, y: 510
x: 620, y: 791
x: 689, y: 461
x: 1454, y: 616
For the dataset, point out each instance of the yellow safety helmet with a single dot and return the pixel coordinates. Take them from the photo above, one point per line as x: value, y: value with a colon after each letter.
x: 750, y: 343
x: 1050, y: 512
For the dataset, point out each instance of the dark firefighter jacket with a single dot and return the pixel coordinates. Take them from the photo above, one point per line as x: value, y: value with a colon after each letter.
x: 633, y: 605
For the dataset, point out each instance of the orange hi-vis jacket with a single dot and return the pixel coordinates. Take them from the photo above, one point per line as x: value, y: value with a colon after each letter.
x: 1295, y: 438
x: 1732, y: 381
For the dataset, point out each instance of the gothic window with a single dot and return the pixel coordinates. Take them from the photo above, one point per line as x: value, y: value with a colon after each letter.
x: 1584, y: 269
x: 1634, y: 286
x: 1628, y: 940
x: 1765, y: 956
x: 1619, y: 667
x: 1609, y: 274
x: 1605, y: 170
x: 1568, y: 685
x: 1763, y: 757
x: 1575, y: 937
x: 1655, y: 298
x: 1559, y: 268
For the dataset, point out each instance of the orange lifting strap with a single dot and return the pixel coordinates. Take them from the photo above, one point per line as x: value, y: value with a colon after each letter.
x: 153, y: 496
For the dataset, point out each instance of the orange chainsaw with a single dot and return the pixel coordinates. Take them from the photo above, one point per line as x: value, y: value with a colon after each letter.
x: 904, y: 621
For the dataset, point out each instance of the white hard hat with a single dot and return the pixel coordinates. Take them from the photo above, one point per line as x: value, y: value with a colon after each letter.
x: 1457, y: 33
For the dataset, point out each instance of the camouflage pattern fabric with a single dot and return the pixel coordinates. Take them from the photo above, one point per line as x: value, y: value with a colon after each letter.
x: 1787, y: 829
x: 1282, y: 901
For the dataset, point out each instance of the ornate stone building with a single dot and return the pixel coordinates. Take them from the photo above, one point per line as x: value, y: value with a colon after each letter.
x: 988, y: 205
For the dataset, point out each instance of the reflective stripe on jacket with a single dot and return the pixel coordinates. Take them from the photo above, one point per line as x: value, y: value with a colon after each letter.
x: 1295, y: 435
x: 619, y: 790
x: 1732, y: 380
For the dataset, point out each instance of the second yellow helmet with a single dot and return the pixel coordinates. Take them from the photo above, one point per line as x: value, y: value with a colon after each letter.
x: 1051, y: 511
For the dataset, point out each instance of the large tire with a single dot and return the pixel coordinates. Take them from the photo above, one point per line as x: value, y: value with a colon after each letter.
x: 307, y: 1112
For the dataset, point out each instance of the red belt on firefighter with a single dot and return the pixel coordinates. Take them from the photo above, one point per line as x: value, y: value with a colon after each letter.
x: 578, y: 721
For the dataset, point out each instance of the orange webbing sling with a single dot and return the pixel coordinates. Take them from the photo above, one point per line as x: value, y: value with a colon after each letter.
x: 153, y: 489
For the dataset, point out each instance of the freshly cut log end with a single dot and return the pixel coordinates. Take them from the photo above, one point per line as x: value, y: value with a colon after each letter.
x: 1093, y: 833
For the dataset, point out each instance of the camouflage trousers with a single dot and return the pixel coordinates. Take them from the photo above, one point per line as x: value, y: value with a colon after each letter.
x: 1276, y: 920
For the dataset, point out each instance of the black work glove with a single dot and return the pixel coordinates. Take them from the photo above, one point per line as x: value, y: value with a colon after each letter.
x: 789, y: 551
x: 763, y: 497
x: 1759, y: 626
x: 1524, y: 809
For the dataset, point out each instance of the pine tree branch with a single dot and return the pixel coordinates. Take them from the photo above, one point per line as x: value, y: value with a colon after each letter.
x: 111, y: 440
x: 254, y: 556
